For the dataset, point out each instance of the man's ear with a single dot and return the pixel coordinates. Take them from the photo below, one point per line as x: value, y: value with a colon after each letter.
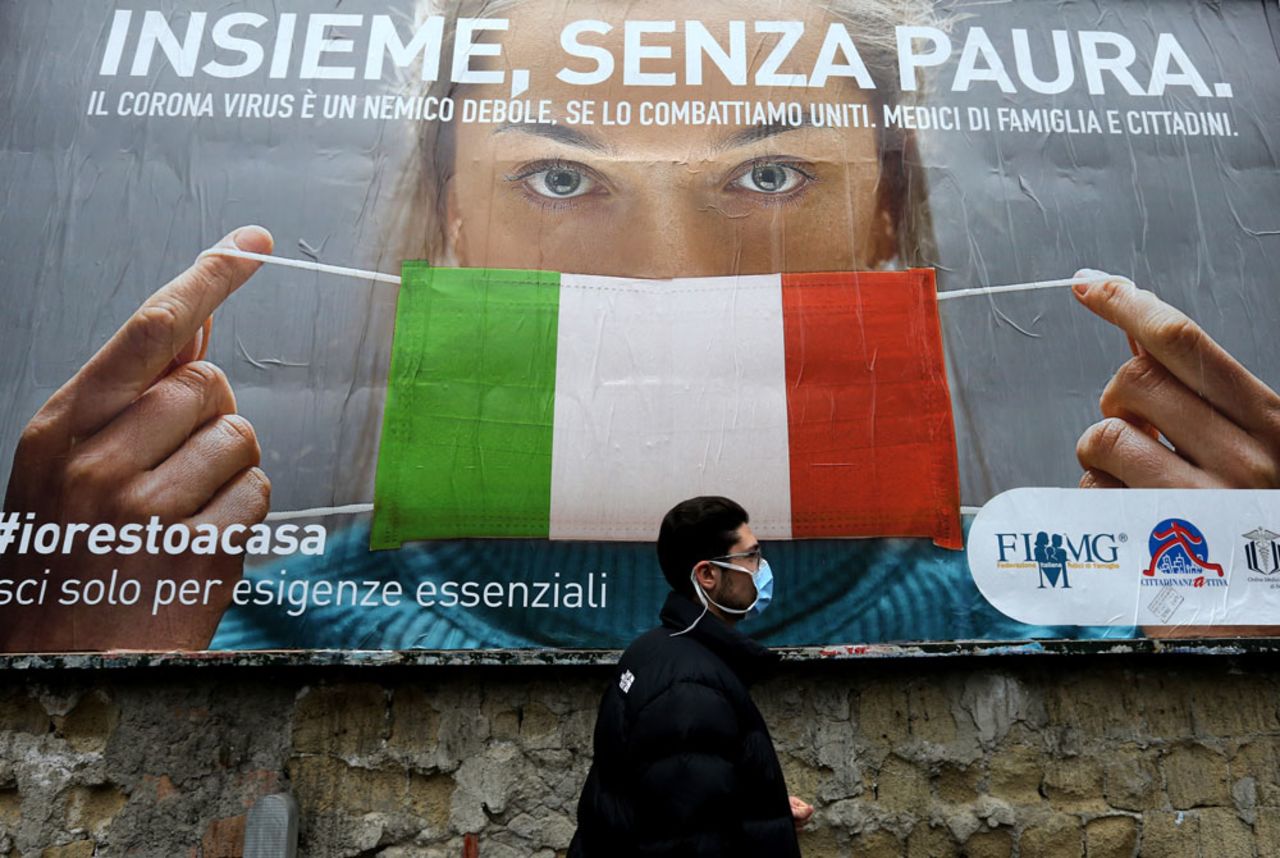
x: 705, y: 574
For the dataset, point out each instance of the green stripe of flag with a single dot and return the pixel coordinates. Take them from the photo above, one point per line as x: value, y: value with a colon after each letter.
x: 466, y: 434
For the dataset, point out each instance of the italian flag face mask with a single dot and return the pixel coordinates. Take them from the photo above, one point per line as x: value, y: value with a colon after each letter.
x: 562, y: 406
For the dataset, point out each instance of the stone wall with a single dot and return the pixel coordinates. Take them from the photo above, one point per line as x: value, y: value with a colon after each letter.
x: 1155, y: 755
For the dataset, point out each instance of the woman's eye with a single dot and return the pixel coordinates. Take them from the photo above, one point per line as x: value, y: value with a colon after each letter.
x: 771, y: 178
x: 559, y: 183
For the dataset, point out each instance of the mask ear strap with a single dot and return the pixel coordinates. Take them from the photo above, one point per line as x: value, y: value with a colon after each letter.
x: 341, y: 270
x: 691, y: 625
x: 702, y: 597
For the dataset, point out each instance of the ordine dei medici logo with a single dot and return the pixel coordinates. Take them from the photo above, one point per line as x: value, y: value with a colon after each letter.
x: 1180, y: 556
x: 1262, y: 551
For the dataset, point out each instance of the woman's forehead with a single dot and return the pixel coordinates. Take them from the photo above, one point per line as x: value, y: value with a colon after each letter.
x: 686, y: 146
x: 560, y: 12
x: 661, y: 122
x: 533, y: 36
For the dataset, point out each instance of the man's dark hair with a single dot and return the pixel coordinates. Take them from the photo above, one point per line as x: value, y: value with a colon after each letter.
x: 694, y: 530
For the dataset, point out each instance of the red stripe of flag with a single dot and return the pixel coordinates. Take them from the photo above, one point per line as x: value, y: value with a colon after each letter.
x: 872, y: 443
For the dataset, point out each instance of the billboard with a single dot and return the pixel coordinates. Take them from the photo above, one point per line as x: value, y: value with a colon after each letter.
x: 971, y: 306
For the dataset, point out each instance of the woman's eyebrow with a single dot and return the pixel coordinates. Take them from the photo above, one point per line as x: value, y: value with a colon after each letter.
x: 756, y: 133
x: 559, y: 133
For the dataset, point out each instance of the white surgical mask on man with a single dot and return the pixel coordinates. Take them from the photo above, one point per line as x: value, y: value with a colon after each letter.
x: 761, y: 579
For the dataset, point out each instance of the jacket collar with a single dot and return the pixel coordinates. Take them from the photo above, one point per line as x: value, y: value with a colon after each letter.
x: 747, y: 658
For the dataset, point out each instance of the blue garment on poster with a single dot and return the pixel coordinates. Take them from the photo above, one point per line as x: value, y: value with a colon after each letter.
x: 826, y: 592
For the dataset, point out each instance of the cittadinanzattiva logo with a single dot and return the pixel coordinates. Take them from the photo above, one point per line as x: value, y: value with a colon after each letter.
x: 1180, y: 557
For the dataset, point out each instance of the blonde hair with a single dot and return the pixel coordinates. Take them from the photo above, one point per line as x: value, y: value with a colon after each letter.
x: 421, y: 222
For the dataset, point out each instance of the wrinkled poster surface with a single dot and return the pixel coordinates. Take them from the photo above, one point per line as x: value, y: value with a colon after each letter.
x: 634, y: 209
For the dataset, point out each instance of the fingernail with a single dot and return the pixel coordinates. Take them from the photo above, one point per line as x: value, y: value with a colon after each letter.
x: 1082, y: 288
x: 1090, y: 274
x: 251, y: 237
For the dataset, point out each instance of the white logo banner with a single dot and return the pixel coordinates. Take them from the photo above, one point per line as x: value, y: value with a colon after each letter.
x: 1095, y: 557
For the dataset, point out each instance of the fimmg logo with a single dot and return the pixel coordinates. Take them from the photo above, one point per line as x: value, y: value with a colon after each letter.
x: 1180, y: 556
x: 1055, y: 555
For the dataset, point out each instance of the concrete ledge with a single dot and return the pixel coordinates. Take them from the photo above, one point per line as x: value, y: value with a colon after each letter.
x: 587, y: 657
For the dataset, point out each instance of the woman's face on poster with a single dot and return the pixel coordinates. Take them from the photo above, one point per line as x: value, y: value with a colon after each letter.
x: 667, y: 200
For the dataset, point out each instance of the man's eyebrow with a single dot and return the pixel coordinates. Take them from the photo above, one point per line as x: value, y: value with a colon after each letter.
x: 756, y: 133
x: 559, y: 133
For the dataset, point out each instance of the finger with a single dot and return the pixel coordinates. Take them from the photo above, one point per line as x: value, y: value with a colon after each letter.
x: 1136, y: 349
x: 212, y: 457
x: 197, y: 348
x: 244, y: 499
x: 1196, y: 429
x: 1136, y: 459
x: 1095, y: 479
x: 192, y: 351
x: 1178, y: 343
x: 161, y: 420
x: 155, y: 335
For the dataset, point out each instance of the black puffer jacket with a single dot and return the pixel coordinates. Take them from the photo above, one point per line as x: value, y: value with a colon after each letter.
x: 684, y: 765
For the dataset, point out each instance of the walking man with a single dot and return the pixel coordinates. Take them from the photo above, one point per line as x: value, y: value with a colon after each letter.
x: 683, y: 764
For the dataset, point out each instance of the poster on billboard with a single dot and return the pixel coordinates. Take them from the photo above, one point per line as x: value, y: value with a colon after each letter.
x: 399, y: 326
